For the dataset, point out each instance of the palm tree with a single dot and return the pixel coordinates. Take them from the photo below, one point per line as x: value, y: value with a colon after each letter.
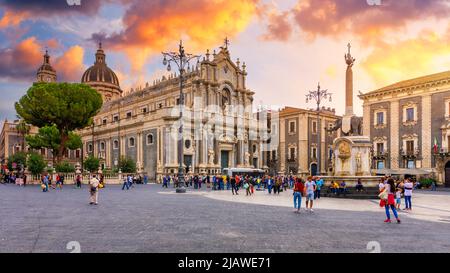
x: 23, y: 129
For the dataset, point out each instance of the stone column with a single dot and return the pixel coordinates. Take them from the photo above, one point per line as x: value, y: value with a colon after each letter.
x: 426, y: 131
x: 394, y: 137
x: 366, y: 119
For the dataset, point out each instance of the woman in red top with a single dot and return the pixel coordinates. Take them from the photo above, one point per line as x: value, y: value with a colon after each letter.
x: 298, y: 191
x: 390, y: 202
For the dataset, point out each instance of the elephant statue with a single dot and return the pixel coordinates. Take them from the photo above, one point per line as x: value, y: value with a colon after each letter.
x: 355, y: 127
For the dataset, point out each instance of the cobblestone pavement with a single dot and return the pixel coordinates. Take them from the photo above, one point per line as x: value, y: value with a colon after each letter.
x: 148, y: 218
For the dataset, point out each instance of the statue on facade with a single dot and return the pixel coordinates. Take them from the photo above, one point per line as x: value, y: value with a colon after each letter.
x: 211, y: 157
x: 247, y: 158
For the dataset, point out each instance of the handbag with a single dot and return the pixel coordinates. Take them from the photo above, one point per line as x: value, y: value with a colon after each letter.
x: 383, y: 195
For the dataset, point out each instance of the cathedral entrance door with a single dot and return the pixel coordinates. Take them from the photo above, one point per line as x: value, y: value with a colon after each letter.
x: 224, y: 159
x: 313, y: 169
x: 188, y: 163
x: 447, y: 174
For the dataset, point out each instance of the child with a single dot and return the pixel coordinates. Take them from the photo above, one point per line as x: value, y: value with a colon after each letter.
x: 398, y: 197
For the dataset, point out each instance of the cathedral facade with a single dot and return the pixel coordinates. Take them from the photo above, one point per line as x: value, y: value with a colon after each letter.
x: 220, y: 128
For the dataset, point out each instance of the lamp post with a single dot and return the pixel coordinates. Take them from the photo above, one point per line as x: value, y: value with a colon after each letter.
x: 317, y: 96
x: 181, y: 59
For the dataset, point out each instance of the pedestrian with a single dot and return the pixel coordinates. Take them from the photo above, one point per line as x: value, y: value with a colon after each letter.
x: 310, y: 186
x: 78, y: 181
x: 408, y: 194
x: 125, y: 183
x: 398, y: 198
x: 234, y: 189
x: 388, y: 200
x: 359, y: 186
x: 247, y: 188
x: 433, y: 185
x: 381, y: 185
x: 93, y: 190
x: 269, y: 184
x: 58, y: 181
x: 298, y: 192
x: 319, y: 184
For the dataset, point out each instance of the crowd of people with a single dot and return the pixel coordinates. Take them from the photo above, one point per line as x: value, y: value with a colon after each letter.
x: 17, y: 178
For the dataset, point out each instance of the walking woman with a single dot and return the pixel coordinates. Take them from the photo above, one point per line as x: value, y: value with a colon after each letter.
x: 388, y: 200
x: 298, y: 191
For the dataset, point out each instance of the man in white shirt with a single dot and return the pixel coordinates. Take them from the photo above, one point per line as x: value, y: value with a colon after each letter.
x: 408, y: 193
x: 310, y: 188
x: 93, y: 189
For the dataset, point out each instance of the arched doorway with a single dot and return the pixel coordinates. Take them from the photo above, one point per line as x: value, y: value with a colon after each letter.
x: 313, y: 169
x: 447, y: 174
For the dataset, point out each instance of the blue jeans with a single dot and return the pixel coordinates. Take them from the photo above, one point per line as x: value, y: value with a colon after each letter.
x: 408, y: 202
x: 297, y: 200
x: 269, y: 188
x: 125, y: 184
x: 388, y: 215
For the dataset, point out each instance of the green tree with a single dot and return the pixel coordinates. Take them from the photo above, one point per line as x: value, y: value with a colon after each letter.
x: 23, y: 129
x: 127, y: 165
x: 91, y: 164
x: 36, y: 163
x: 68, y: 106
x: 65, y: 167
x: 49, y: 137
x: 19, y: 158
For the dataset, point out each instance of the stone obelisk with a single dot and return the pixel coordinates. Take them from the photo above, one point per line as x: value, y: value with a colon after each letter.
x: 349, y: 60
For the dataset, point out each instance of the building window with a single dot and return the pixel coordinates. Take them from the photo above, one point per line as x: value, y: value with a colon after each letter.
x: 409, y: 114
x: 380, y: 147
x: 274, y: 155
x: 314, y: 127
x: 129, y: 114
x: 254, y: 148
x: 410, y: 146
x: 292, y: 127
x: 380, y: 118
x: 410, y: 164
x: 149, y: 139
x: 116, y: 144
x: 380, y: 164
x: 77, y: 153
x: 144, y: 110
x: 314, y: 152
x: 116, y: 118
x: 43, y: 151
x: 102, y: 146
x: 131, y: 142
x: 292, y: 153
x: 89, y: 147
x: 160, y: 105
x: 104, y: 121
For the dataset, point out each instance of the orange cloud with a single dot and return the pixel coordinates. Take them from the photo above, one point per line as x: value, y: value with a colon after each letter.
x: 12, y: 19
x: 69, y: 66
x: 151, y: 27
x: 391, y: 62
x: 22, y: 60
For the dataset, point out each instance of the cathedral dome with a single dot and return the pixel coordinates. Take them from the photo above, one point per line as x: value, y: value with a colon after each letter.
x: 100, y: 72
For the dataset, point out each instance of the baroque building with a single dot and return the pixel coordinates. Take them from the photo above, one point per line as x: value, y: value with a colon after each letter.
x: 409, y: 125
x: 298, y: 147
x: 220, y: 129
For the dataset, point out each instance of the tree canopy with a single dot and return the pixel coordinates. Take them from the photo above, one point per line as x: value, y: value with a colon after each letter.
x: 19, y: 158
x: 68, y: 106
x: 127, y: 165
x: 36, y: 163
x: 91, y: 164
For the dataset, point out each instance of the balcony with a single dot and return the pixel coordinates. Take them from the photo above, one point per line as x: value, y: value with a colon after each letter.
x: 291, y: 159
x: 410, y: 153
x: 380, y: 154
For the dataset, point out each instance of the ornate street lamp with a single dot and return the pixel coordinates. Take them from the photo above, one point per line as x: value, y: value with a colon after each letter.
x: 317, y: 96
x: 181, y: 59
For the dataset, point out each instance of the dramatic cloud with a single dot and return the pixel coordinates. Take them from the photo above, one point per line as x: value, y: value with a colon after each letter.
x: 332, y: 18
x: 21, y: 62
x: 279, y: 27
x: 69, y: 66
x: 391, y: 62
x: 150, y: 27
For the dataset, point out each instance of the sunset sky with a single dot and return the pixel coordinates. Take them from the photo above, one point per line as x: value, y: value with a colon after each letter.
x: 288, y: 45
